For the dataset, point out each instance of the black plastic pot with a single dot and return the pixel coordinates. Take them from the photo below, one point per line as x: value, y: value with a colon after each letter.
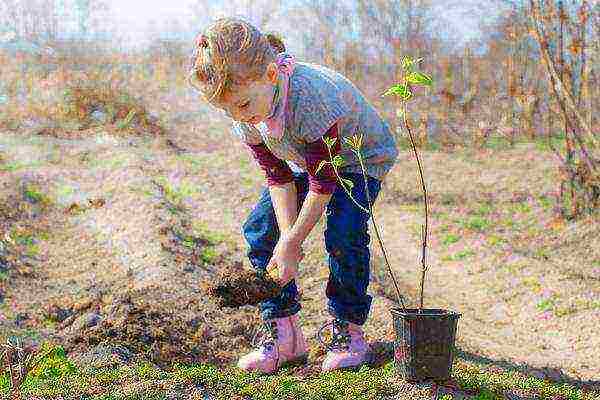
x: 424, y: 345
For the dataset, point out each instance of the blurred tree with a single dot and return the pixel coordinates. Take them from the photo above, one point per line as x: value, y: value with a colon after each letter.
x: 46, y: 21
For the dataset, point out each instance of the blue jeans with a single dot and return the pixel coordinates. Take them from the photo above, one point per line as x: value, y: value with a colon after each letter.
x: 346, y: 241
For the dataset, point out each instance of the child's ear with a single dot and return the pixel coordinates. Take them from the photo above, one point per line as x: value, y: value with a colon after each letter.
x: 272, y: 73
x: 201, y: 76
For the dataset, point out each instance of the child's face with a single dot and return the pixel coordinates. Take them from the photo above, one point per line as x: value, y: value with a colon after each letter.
x: 251, y: 103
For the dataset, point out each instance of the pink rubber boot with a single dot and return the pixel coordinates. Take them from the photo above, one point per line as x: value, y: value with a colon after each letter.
x: 347, y: 349
x: 285, y: 345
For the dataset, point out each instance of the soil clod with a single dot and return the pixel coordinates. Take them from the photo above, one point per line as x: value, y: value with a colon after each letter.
x: 235, y: 287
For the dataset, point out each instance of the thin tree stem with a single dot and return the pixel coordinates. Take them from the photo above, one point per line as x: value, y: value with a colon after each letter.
x: 424, y: 232
x: 400, y: 300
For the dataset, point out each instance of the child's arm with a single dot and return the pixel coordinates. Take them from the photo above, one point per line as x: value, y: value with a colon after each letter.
x: 321, y: 186
x: 281, y: 186
x: 283, y: 265
x: 285, y: 203
x: 279, y: 176
x: 287, y: 253
x: 309, y: 215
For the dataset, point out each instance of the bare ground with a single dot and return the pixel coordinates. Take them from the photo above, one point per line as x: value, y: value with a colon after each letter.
x: 126, y: 255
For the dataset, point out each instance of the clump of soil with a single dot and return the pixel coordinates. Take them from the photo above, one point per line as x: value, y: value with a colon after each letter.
x: 235, y: 287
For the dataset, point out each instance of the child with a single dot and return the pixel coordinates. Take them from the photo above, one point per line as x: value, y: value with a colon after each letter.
x: 282, y: 109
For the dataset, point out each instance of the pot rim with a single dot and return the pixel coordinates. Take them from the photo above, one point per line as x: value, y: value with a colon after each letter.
x: 426, y: 312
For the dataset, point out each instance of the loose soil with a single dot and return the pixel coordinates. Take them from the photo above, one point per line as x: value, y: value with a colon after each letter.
x: 137, y: 242
x: 236, y: 287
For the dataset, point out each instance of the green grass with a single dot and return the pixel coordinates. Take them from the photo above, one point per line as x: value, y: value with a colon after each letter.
x: 58, y: 377
x: 510, y: 223
x: 541, y: 253
x: 483, y: 209
x: 431, y: 146
x: 578, y: 304
x: 545, y: 304
x: 448, y: 199
x: 450, y: 238
x: 114, y: 162
x: 32, y: 193
x: 146, y: 190
x: 532, y: 282
x: 147, y: 371
x: 17, y: 165
x: 174, y: 194
x: 28, y: 240
x: 65, y: 190
x: 444, y: 228
x: 194, y: 163
x: 546, y: 202
x: 201, y: 229
x: 520, y: 208
x: 476, y: 223
x: 558, y: 141
x: 32, y: 250
x: 515, y: 268
x: 438, y: 215
x: 494, y: 240
x: 461, y: 255
x: 209, y: 255
x: 44, y: 235
x: 411, y: 208
x: 23, y: 240
x: 497, y: 142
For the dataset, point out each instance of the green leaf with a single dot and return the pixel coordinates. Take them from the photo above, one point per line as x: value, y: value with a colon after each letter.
x: 407, y: 63
x: 328, y: 141
x: 321, y: 164
x: 419, y: 78
x: 358, y: 139
x: 124, y: 123
x: 338, y: 160
x: 399, y: 90
x: 354, y: 141
x: 348, y: 182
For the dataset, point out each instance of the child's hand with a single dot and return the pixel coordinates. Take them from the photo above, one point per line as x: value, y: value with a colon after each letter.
x: 283, y: 266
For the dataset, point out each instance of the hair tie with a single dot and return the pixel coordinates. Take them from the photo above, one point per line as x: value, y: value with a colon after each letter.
x: 202, y: 41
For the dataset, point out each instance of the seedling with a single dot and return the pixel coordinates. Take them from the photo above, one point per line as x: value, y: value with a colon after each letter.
x: 424, y: 344
x: 404, y: 92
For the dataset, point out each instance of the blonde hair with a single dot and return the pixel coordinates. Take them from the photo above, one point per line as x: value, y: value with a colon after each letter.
x: 231, y: 52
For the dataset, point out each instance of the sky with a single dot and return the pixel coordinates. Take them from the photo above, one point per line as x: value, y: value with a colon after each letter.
x: 133, y: 16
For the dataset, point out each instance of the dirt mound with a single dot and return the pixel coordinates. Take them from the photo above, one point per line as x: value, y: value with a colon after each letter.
x: 163, y: 328
x: 170, y: 320
x: 163, y: 314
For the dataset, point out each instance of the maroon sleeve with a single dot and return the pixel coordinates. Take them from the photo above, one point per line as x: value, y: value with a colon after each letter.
x: 276, y: 170
x: 325, y: 181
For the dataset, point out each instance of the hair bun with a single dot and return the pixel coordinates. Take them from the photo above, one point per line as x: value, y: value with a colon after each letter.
x: 275, y: 42
x: 202, y: 41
